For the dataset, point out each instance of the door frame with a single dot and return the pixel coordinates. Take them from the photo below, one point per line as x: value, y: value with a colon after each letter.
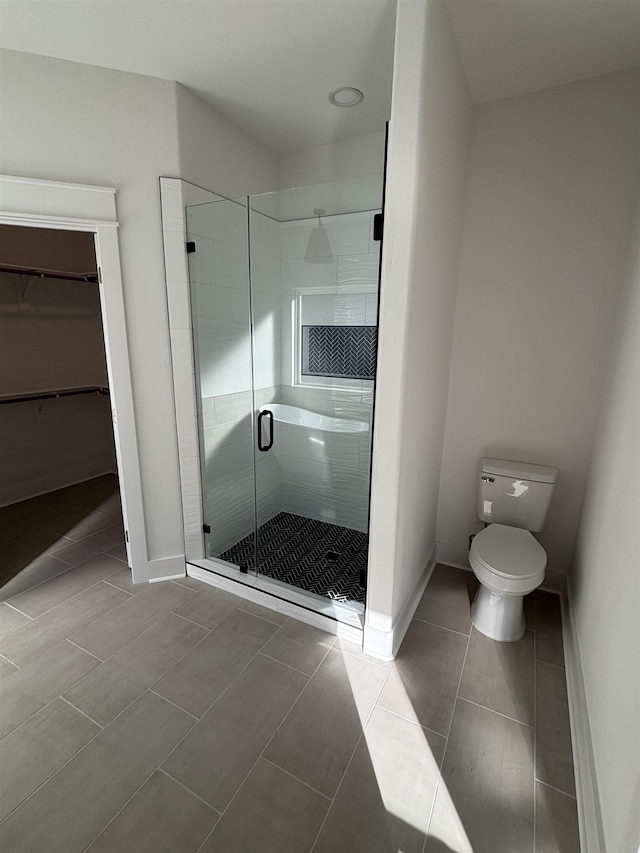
x: 35, y: 203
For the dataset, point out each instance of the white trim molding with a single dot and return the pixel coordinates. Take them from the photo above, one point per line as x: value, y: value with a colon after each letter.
x: 589, y: 813
x: 35, y: 203
x: 382, y: 635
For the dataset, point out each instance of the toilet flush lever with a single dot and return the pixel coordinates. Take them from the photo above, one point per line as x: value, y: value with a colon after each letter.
x: 488, y: 479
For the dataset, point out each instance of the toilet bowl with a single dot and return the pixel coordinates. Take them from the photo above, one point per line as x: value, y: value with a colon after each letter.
x: 509, y: 563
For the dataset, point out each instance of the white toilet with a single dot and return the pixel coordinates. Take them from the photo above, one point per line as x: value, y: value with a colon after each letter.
x: 513, y: 498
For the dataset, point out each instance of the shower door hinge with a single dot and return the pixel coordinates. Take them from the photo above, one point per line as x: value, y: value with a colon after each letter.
x: 126, y: 535
x: 191, y: 247
x: 378, y: 222
x: 206, y: 528
x: 100, y: 275
x: 363, y: 578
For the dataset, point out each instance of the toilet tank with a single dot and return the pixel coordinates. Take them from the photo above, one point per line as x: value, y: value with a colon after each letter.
x: 515, y: 493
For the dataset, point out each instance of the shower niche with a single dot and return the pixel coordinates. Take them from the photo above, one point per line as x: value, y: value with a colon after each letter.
x: 283, y: 300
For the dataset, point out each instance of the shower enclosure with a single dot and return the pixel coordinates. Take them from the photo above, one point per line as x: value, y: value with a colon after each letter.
x: 284, y: 307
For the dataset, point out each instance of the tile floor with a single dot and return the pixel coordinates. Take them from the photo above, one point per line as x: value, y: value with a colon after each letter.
x: 175, y: 717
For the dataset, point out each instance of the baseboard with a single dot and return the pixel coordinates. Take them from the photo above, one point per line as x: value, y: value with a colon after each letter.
x: 589, y: 814
x: 383, y: 637
x: 163, y: 569
x: 51, y: 483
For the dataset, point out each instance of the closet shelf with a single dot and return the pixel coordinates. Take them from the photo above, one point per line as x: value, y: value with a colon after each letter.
x: 44, y: 395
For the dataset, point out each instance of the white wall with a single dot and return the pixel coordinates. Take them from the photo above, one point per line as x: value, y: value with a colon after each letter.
x: 68, y: 122
x: 428, y: 145
x: 552, y: 189
x: 350, y: 158
x: 605, y: 581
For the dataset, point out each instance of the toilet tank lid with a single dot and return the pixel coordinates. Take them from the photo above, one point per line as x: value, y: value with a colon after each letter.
x: 520, y: 470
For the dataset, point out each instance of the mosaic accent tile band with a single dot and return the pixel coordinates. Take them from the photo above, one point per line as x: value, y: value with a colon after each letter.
x: 312, y: 555
x: 348, y: 352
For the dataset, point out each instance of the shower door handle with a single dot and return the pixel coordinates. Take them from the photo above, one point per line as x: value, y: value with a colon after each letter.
x: 264, y: 447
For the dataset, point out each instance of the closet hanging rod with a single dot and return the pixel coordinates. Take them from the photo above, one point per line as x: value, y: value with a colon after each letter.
x: 89, y: 277
x: 44, y: 395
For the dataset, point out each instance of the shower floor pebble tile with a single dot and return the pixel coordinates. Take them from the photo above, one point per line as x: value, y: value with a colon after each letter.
x: 217, y: 725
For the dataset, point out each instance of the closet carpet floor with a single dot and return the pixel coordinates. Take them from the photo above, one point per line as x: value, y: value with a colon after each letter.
x: 177, y: 718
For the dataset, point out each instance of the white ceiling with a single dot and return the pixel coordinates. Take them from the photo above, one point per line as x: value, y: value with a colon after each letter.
x: 269, y: 65
x: 509, y: 47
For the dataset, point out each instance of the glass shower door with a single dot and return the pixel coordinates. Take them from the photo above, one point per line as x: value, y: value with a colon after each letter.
x: 222, y: 341
x: 314, y: 296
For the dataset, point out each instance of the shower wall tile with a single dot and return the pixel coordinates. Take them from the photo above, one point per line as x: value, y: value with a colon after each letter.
x: 296, y: 273
x: 358, y: 272
x: 265, y: 235
x: 201, y: 262
x: 225, y: 220
x: 232, y: 407
x: 231, y: 266
x: 213, y: 303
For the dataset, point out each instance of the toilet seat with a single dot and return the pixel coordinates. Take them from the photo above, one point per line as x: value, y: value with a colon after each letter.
x: 508, y: 559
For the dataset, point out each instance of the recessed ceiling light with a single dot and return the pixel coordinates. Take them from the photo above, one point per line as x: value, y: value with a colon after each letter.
x: 347, y: 96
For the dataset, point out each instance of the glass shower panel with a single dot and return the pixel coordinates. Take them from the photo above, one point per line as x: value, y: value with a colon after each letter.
x: 221, y: 324
x: 314, y: 282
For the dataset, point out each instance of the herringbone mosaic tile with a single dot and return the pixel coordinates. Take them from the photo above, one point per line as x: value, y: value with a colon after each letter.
x: 312, y: 555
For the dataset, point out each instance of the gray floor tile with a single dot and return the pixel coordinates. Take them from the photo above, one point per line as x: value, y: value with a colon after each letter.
x: 190, y: 583
x: 29, y: 573
x: 350, y: 648
x: 264, y: 612
x: 51, y: 593
x: 221, y: 749
x: 423, y: 681
x: 29, y: 689
x: 11, y: 619
x: 548, y: 626
x: 209, y: 606
x: 487, y: 784
x: 119, y: 552
x: 316, y: 740
x: 111, y: 632
x: 358, y: 820
x: 35, y: 750
x: 122, y: 579
x: 98, y: 543
x: 554, y: 758
x: 556, y: 822
x: 161, y: 818
x: 500, y: 676
x: 299, y: 645
x: 406, y: 760
x: 30, y: 641
x: 69, y: 810
x: 87, y: 525
x: 272, y: 813
x: 447, y: 599
x: 201, y: 676
x: 107, y: 691
x: 6, y: 668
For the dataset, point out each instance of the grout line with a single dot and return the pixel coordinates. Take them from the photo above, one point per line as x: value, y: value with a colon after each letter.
x: 548, y: 663
x: 444, y: 627
x: 160, y: 696
x: 115, y: 586
x: 270, y: 621
x: 113, y: 817
x: 68, y: 640
x: 557, y: 790
x: 302, y: 782
x: 100, y: 726
x: 13, y: 607
x: 413, y: 722
x: 193, y: 622
x: 288, y: 665
x: 184, y: 787
x: 13, y: 663
x: 493, y: 711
